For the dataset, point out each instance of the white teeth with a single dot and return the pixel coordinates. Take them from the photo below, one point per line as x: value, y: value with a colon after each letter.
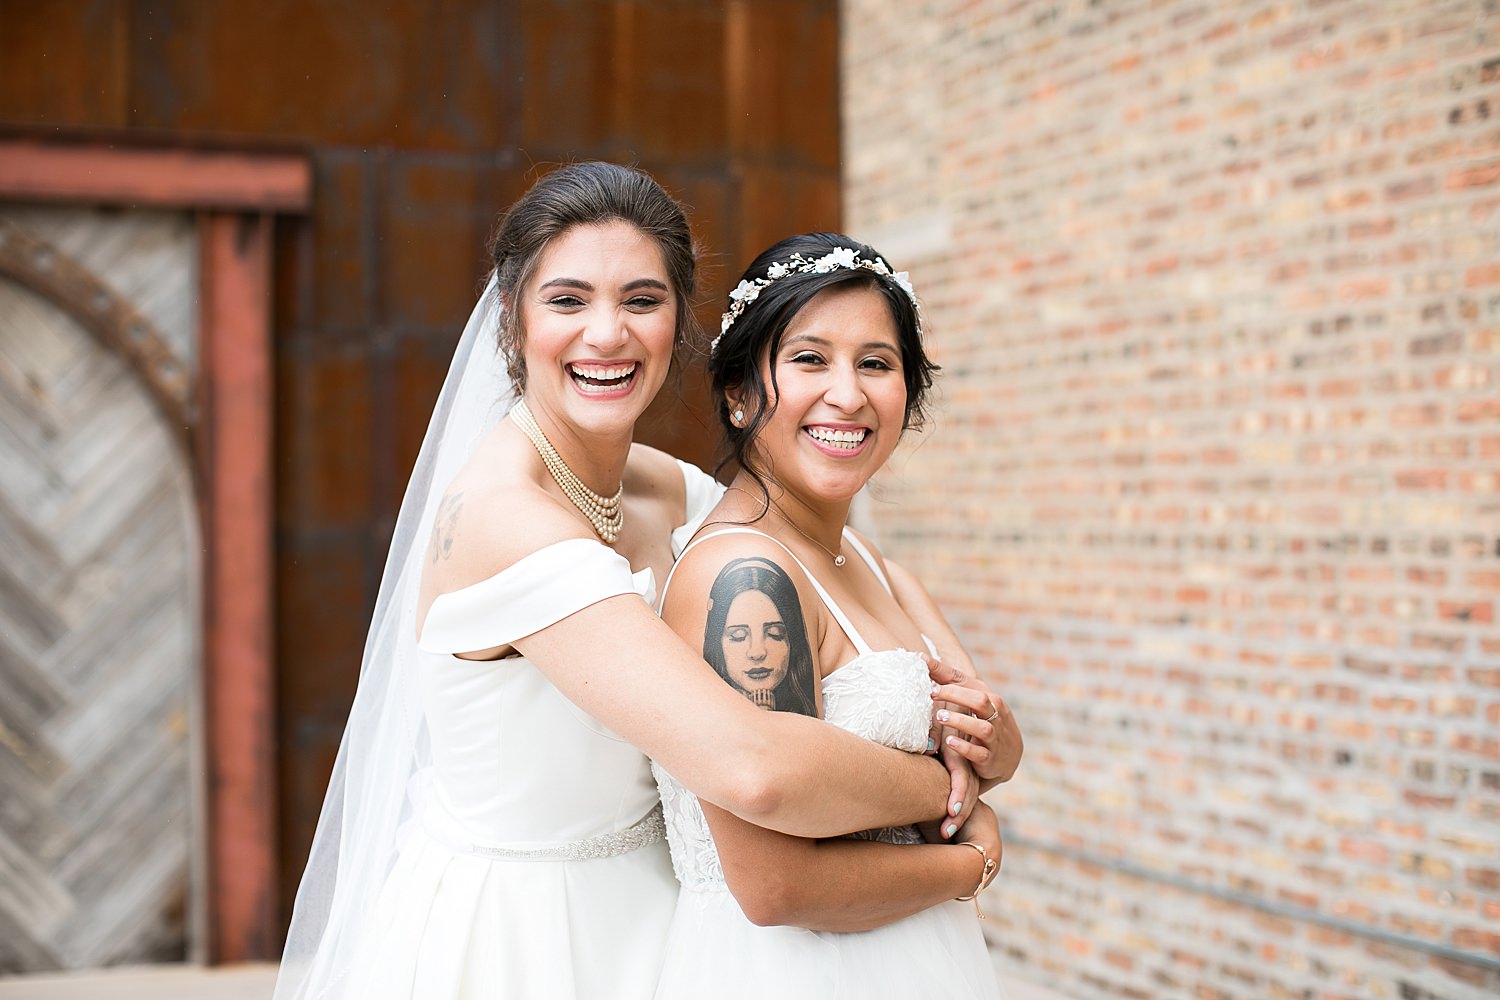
x: 848, y: 440
x: 602, y: 374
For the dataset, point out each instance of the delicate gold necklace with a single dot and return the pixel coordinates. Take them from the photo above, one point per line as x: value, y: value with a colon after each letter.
x: 604, y: 513
x: 838, y: 557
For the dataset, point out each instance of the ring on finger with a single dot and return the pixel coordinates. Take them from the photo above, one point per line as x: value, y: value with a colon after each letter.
x: 994, y: 713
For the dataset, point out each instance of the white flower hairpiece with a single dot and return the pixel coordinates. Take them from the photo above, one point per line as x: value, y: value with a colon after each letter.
x: 748, y: 291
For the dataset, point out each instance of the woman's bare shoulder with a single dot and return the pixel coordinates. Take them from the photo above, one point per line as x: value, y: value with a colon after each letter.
x: 717, y: 552
x: 494, y: 514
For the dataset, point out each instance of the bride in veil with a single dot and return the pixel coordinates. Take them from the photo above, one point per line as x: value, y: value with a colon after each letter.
x: 491, y: 827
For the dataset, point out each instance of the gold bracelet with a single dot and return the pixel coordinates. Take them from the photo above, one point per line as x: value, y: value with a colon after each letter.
x: 986, y: 876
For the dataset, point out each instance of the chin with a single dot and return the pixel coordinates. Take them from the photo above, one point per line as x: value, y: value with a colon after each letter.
x: 838, y: 488
x: 620, y: 421
x: 610, y: 413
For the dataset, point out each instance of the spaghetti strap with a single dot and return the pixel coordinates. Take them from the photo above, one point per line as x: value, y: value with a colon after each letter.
x: 869, y: 559
x: 885, y: 582
x: 860, y: 645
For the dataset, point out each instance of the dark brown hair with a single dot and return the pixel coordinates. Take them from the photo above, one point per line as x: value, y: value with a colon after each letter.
x: 587, y: 194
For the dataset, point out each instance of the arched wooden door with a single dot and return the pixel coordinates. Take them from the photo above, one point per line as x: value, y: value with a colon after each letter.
x: 100, y: 594
x: 187, y: 458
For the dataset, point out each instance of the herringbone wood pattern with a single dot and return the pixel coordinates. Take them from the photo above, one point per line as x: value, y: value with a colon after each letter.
x: 98, y: 651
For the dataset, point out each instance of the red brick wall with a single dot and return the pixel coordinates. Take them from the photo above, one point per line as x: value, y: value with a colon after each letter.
x: 1214, y: 491
x: 423, y: 120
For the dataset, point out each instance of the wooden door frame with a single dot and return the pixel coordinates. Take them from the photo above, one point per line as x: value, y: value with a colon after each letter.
x: 234, y: 195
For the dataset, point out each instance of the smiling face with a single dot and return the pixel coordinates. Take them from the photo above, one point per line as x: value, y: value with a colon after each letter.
x: 839, y: 397
x: 755, y: 647
x: 599, y: 316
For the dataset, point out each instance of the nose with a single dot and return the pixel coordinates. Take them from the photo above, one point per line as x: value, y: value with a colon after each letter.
x: 605, y: 330
x: 757, y: 651
x: 844, y: 390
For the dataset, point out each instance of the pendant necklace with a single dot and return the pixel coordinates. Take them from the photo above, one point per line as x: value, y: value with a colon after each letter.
x: 838, y: 557
x: 604, y: 513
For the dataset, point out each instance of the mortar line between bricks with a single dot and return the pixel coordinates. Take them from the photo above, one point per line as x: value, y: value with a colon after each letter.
x: 1266, y: 906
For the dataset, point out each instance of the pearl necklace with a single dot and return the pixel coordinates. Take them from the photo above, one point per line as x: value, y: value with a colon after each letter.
x: 604, y: 513
x: 838, y: 557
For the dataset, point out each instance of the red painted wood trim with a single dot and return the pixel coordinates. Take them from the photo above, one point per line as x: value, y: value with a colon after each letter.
x: 177, y: 178
x: 235, y: 339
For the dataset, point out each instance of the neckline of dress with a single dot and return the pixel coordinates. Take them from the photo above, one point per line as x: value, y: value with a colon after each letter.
x: 855, y: 660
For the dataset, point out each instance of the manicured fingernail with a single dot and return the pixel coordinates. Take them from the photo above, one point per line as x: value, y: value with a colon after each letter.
x: 935, y: 690
x: 951, y: 830
x: 952, y: 741
x: 931, y: 744
x: 942, y: 715
x: 956, y: 807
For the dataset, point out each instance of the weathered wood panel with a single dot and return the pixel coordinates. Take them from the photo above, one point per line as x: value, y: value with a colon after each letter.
x: 99, y: 644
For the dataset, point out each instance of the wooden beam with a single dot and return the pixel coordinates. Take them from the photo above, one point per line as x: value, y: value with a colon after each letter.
x: 239, y: 704
x: 174, y: 178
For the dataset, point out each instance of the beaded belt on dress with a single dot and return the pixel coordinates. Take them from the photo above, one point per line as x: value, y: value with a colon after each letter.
x: 648, y: 830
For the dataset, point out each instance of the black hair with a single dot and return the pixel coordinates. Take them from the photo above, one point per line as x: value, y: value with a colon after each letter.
x: 587, y: 194
x: 735, y: 365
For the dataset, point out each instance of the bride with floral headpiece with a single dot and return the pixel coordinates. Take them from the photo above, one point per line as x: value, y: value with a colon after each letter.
x: 818, y: 370
x: 491, y: 827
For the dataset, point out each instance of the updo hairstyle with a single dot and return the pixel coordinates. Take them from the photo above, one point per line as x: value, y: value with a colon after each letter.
x: 587, y: 194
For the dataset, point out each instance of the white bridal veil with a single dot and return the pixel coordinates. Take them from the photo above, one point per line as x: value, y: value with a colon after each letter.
x: 385, y: 742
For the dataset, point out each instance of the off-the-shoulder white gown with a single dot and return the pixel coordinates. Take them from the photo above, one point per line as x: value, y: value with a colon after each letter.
x: 532, y: 864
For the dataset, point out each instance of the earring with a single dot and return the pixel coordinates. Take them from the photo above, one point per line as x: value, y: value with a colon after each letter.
x: 738, y: 418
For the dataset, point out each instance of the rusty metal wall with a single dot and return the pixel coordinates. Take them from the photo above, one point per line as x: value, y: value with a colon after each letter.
x: 423, y: 121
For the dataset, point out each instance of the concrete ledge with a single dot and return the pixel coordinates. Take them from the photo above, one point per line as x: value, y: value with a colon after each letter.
x: 1016, y: 989
x: 237, y: 982
x: 158, y: 982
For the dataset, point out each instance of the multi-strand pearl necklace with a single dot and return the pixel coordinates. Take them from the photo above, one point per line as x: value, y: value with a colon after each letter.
x: 604, y: 513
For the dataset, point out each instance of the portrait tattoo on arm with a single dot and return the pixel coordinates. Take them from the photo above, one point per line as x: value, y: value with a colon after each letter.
x: 756, y: 637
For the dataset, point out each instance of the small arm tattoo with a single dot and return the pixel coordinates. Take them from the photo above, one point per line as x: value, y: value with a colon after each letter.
x: 756, y: 637
x: 444, y: 526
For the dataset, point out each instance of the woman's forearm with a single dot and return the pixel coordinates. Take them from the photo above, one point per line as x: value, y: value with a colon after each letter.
x: 836, y: 885
x: 813, y: 762
x: 620, y: 663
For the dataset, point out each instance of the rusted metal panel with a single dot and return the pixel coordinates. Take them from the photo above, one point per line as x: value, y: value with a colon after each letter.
x: 407, y: 74
x: 65, y: 64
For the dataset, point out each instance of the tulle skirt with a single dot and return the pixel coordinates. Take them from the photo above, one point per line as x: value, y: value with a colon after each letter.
x: 714, y: 951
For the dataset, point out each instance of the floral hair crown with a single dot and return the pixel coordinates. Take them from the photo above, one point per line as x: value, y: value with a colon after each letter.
x: 748, y: 291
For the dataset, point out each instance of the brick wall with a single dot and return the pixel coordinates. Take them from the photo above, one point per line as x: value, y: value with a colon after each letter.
x: 1214, y: 489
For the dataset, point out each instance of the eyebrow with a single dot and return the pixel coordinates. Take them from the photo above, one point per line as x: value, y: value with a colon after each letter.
x: 586, y: 286
x: 811, y: 338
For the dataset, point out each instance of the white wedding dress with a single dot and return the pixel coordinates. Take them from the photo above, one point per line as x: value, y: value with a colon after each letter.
x: 532, y: 863
x: 713, y: 950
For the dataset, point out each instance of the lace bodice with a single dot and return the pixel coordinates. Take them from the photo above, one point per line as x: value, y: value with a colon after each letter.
x: 882, y: 696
